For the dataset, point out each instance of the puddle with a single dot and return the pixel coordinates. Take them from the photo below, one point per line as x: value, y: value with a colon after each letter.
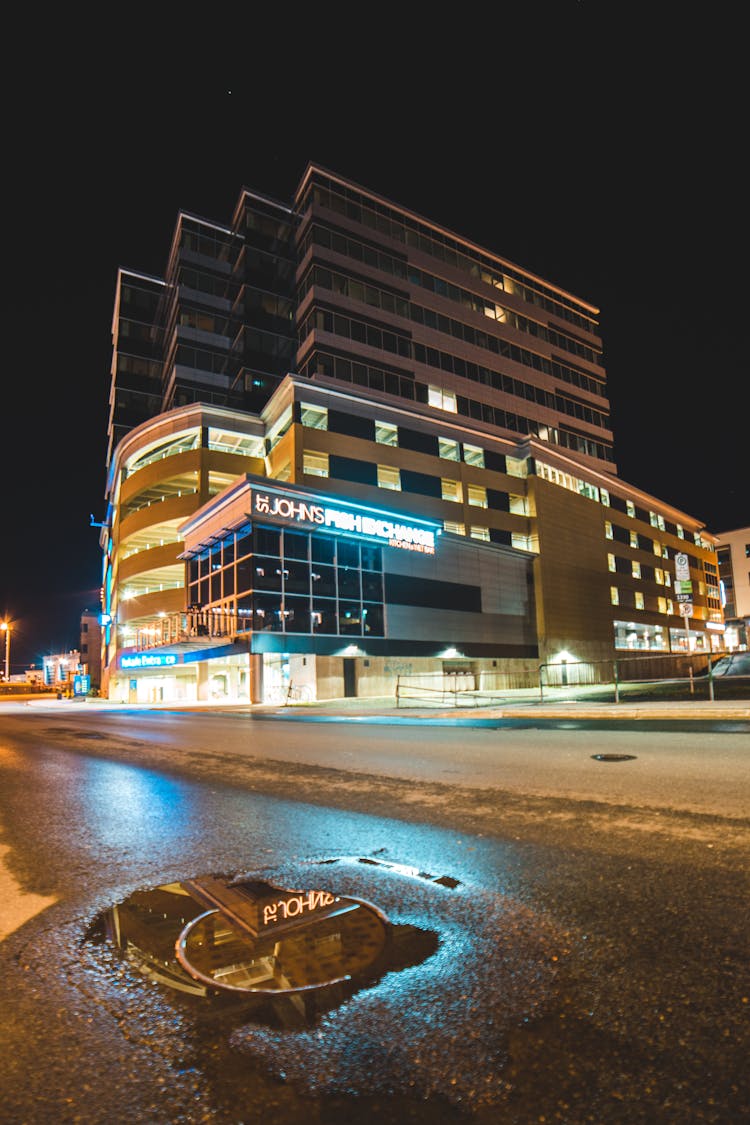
x: 284, y: 955
x: 613, y: 757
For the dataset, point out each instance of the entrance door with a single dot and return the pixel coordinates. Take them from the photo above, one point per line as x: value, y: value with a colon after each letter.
x: 350, y: 677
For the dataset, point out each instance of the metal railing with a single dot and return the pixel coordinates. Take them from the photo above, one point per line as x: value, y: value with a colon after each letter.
x: 558, y: 678
x: 182, y: 628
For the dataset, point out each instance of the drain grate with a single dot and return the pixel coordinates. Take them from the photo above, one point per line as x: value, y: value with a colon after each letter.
x: 613, y: 757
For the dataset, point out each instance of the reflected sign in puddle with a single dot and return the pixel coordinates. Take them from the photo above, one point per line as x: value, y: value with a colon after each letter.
x: 289, y: 954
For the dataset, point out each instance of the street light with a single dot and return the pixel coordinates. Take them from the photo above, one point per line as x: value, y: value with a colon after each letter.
x: 5, y: 626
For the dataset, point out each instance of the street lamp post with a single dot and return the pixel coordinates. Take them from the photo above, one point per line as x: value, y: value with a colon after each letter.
x: 5, y: 626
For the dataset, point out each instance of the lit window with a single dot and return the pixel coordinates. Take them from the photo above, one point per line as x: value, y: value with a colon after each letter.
x: 659, y: 576
x: 608, y: 530
x: 449, y: 449
x: 517, y: 467
x: 639, y: 604
x: 519, y: 505
x: 611, y: 562
x: 614, y: 595
x: 662, y: 604
x: 667, y: 578
x: 450, y: 490
x: 633, y: 538
x: 680, y: 531
x: 636, y: 570
x: 314, y: 417
x: 479, y: 533
x: 456, y: 528
x: 604, y: 497
x: 443, y: 400
x: 473, y: 455
x: 476, y: 495
x: 630, y: 508
x: 314, y: 464
x: 524, y: 542
x: 657, y: 548
x: 386, y: 433
x: 388, y: 477
x: 670, y: 606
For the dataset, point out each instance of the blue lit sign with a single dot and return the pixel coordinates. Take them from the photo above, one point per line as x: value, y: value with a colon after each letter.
x: 149, y: 660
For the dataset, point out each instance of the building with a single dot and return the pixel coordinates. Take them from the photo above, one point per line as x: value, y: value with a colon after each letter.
x: 733, y: 550
x: 357, y: 357
x: 90, y: 649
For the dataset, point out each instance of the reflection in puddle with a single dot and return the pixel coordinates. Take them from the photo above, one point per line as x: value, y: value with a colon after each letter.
x: 286, y: 956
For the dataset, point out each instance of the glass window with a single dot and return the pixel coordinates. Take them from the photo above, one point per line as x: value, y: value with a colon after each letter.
x: 268, y: 541
x: 386, y: 433
x: 639, y: 600
x: 633, y: 538
x: 347, y: 553
x: 473, y: 455
x: 455, y: 528
x: 608, y: 530
x: 450, y: 490
x: 480, y: 533
x: 442, y: 400
x: 323, y: 580
x: 372, y: 557
x: 611, y: 562
x: 323, y: 548
x: 314, y: 464
x: 614, y: 595
x: 449, y: 449
x: 630, y: 506
x: 295, y: 545
x: 636, y: 570
x: 476, y: 495
x: 349, y: 582
x: 372, y: 587
x: 388, y: 477
x: 314, y: 417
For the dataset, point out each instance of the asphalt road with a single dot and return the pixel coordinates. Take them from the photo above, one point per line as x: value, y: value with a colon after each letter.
x: 592, y: 956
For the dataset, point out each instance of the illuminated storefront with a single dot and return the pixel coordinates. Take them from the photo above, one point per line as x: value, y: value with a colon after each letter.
x: 297, y: 590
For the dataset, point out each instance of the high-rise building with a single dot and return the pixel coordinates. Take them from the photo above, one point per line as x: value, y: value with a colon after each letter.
x: 342, y: 354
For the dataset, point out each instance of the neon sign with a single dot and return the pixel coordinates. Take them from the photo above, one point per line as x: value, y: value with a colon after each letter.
x: 295, y: 905
x: 384, y: 529
x: 148, y: 660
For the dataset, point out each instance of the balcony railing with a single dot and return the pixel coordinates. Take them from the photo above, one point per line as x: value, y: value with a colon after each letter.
x: 192, y: 626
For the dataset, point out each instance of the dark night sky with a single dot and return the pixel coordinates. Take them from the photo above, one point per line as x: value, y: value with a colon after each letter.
x: 596, y: 145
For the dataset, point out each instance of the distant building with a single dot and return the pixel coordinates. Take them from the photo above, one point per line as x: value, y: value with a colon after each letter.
x: 61, y: 669
x: 91, y: 647
x: 733, y: 550
x: 346, y: 443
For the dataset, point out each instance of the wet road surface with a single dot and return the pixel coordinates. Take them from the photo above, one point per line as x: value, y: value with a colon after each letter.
x: 592, y: 959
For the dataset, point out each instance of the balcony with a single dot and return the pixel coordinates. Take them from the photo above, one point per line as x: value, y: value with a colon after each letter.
x: 189, y: 629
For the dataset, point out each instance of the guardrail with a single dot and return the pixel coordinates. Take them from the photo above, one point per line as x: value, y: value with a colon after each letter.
x: 573, y: 673
x: 475, y: 689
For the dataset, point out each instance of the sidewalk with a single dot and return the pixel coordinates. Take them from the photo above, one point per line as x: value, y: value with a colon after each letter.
x: 521, y: 706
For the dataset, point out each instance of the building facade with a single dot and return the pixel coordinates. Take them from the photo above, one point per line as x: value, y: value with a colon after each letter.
x: 343, y: 353
x: 733, y: 550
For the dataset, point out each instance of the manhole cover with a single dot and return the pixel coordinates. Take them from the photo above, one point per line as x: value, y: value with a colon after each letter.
x: 613, y: 757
